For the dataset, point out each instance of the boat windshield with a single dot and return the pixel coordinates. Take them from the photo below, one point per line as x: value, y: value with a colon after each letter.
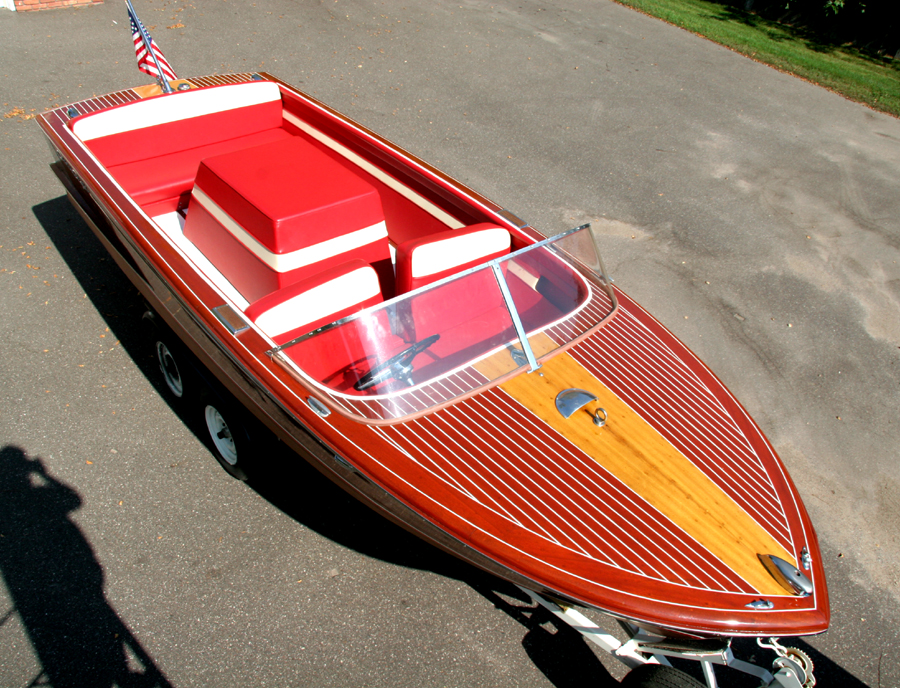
x: 451, y: 338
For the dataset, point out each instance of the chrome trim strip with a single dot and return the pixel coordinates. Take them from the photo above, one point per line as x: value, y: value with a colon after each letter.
x: 230, y: 318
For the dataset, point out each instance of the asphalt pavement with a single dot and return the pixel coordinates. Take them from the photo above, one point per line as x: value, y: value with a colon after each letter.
x: 756, y: 215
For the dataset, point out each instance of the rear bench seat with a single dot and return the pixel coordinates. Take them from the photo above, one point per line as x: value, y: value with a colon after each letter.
x: 153, y: 147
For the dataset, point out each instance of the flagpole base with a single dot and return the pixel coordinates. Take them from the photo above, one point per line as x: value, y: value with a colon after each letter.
x: 151, y: 90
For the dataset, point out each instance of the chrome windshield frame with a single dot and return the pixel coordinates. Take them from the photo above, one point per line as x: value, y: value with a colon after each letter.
x: 514, y: 314
x: 501, y: 282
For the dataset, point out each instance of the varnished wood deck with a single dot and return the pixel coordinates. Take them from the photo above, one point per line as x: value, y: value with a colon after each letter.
x: 633, y: 451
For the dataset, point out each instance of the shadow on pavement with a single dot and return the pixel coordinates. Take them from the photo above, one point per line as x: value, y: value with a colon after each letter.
x: 827, y: 673
x: 56, y: 585
x: 557, y: 650
x: 114, y: 297
x: 560, y: 653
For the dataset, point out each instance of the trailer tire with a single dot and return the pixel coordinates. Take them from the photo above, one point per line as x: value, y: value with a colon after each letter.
x: 175, y: 364
x: 228, y: 434
x: 659, y: 676
x: 172, y: 373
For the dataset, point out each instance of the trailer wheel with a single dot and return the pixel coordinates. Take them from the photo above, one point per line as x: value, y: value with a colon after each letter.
x: 230, y: 439
x: 168, y: 364
x: 659, y: 676
x: 174, y: 363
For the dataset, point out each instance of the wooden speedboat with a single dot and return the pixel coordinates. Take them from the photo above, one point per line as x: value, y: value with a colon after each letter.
x: 478, y: 382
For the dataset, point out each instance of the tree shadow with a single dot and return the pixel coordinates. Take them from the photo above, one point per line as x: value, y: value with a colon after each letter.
x: 869, y: 31
x: 56, y: 585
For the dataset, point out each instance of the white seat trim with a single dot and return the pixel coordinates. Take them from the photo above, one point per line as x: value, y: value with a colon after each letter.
x: 439, y: 256
x: 285, y: 262
x: 319, y: 301
x: 175, y: 107
x: 172, y: 225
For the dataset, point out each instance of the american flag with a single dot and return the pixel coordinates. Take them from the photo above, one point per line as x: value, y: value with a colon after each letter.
x: 144, y: 59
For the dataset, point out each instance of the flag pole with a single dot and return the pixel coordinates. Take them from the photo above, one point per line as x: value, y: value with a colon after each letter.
x: 161, y: 79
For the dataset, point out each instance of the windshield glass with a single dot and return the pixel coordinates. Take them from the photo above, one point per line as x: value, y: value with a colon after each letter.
x: 448, y: 339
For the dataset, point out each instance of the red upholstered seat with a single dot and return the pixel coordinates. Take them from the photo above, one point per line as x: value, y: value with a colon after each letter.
x: 169, y: 176
x: 428, y: 259
x: 170, y: 123
x: 154, y: 146
x: 315, y: 301
x: 274, y: 214
x: 467, y: 312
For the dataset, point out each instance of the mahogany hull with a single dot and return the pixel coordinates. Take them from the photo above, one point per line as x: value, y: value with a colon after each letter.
x: 658, y: 520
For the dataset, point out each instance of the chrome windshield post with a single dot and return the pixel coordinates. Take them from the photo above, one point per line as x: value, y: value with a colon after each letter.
x: 514, y: 314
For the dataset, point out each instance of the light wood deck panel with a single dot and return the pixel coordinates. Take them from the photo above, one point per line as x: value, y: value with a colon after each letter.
x: 642, y: 369
x: 648, y: 464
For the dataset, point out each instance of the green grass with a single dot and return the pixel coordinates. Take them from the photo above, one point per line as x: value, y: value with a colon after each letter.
x: 843, y: 69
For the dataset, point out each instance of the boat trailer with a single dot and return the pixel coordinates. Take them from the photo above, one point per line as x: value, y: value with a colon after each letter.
x: 791, y: 668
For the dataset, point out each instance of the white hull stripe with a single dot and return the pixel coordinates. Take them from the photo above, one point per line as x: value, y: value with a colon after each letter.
x: 285, y: 262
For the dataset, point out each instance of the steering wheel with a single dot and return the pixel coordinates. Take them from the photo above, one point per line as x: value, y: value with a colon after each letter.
x: 398, y: 367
